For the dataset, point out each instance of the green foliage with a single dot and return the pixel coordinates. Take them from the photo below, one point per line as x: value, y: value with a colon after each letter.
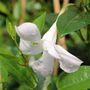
x: 24, y: 87
x: 86, y: 2
x: 3, y: 73
x: 3, y: 9
x: 79, y: 80
x: 11, y: 29
x: 9, y: 64
x: 40, y: 21
x: 72, y: 20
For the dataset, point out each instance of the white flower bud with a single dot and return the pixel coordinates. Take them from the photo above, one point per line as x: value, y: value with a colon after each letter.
x: 28, y: 32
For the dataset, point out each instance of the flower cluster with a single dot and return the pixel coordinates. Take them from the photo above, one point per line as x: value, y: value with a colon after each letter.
x: 31, y: 43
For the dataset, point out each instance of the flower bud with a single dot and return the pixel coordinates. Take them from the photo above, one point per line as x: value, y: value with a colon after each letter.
x: 28, y: 32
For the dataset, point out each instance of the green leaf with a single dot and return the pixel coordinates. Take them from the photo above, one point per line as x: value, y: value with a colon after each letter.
x: 21, y: 74
x: 71, y: 20
x: 11, y: 29
x: 5, y: 51
x: 3, y: 9
x: 40, y: 21
x: 50, y: 19
x: 79, y: 80
x: 24, y: 87
x: 3, y: 73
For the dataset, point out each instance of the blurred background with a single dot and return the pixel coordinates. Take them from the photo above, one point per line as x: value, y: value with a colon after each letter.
x: 27, y: 11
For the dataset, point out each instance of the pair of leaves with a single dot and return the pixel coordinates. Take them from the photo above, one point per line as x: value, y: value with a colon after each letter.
x: 72, y: 20
x: 79, y: 80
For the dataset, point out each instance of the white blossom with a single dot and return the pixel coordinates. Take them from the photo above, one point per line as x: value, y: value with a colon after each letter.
x: 31, y: 43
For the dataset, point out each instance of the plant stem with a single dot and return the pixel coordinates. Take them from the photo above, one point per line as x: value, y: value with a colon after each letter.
x: 24, y: 58
x: 61, y: 41
x: 23, y: 10
x: 56, y: 6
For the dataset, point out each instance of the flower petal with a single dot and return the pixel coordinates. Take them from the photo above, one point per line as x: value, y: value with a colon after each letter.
x: 27, y: 48
x: 43, y: 66
x: 49, y: 47
x: 28, y: 31
x: 68, y: 62
x: 51, y: 34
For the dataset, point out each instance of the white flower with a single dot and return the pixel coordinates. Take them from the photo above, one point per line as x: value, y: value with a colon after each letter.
x: 30, y: 42
x: 43, y: 66
x: 30, y: 34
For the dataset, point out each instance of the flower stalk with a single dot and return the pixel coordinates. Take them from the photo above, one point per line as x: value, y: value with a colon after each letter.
x: 24, y: 58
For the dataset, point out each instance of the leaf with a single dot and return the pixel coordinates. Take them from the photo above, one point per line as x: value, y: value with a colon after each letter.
x: 21, y: 74
x: 79, y: 80
x: 30, y: 76
x: 40, y: 21
x: 72, y: 20
x: 5, y: 51
x: 11, y: 29
x: 3, y: 73
x: 18, y: 72
x: 3, y: 9
x: 24, y: 87
x: 50, y: 19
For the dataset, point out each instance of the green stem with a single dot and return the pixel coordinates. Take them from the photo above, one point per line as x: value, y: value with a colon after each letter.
x: 24, y: 58
x: 56, y: 64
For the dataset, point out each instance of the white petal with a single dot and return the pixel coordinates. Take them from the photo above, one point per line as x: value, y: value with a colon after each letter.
x: 28, y: 31
x: 43, y: 66
x: 53, y: 52
x: 27, y: 48
x: 51, y: 34
x: 68, y: 62
x: 49, y: 47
